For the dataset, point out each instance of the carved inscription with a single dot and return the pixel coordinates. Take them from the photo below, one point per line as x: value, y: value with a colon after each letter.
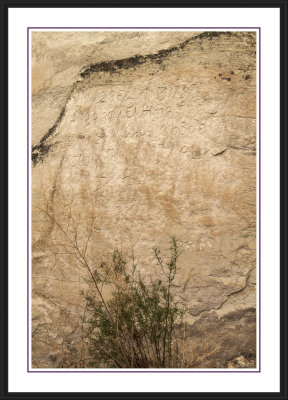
x: 148, y: 112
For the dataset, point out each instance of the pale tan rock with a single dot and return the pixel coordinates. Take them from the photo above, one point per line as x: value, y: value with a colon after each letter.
x: 58, y: 57
x: 155, y: 145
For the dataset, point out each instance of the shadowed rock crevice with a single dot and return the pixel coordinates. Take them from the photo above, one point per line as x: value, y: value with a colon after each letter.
x: 228, y: 341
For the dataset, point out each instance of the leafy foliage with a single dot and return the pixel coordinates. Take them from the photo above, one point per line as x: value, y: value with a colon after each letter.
x: 133, y: 326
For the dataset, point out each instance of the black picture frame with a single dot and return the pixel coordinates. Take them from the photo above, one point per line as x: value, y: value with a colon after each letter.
x: 5, y: 6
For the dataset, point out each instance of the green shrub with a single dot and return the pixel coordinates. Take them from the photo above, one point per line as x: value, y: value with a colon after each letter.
x: 134, y: 324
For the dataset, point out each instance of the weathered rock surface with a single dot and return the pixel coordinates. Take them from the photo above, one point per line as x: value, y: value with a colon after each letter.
x: 142, y: 139
x: 58, y: 57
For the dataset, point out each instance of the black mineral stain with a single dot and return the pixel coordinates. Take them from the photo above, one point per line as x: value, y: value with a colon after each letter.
x: 40, y: 151
x: 113, y: 66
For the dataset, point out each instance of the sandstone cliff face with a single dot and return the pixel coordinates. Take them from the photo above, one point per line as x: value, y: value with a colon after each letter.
x: 137, y: 136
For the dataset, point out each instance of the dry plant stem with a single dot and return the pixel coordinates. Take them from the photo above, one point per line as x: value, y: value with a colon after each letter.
x: 130, y: 338
x: 138, y: 340
x: 82, y: 259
